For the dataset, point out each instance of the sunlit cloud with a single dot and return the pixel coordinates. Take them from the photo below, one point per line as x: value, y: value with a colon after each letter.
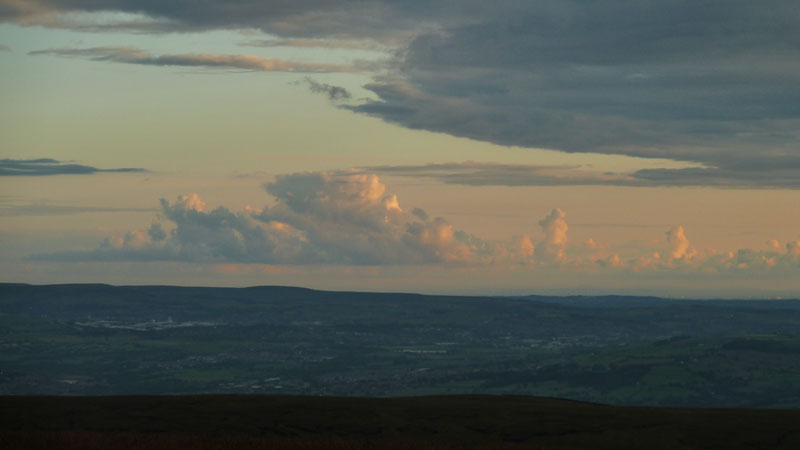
x: 680, y: 248
x: 350, y: 219
x: 555, y: 230
x: 317, y: 218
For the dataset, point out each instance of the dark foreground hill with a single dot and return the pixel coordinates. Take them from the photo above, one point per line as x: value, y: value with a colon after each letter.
x: 289, y: 422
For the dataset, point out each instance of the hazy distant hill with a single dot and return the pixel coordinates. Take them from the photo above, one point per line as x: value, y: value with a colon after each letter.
x: 105, y: 340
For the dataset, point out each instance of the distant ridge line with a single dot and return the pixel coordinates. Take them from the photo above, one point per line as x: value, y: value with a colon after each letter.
x: 534, y: 297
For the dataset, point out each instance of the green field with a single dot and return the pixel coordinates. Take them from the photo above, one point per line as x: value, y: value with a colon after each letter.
x: 105, y: 340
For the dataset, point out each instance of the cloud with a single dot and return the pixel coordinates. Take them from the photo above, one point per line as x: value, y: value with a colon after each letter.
x: 330, y: 44
x: 156, y: 232
x: 793, y: 249
x: 349, y: 218
x: 526, y: 248
x: 767, y: 177
x: 746, y: 261
x: 555, y: 230
x: 334, y: 93
x: 317, y: 218
x: 680, y: 248
x: 420, y: 213
x: 708, y: 83
x: 132, y: 55
x: 712, y: 83
x: 189, y: 202
x: 493, y: 174
x: 307, y: 19
x: 48, y: 166
x: 216, y: 235
x: 472, y: 173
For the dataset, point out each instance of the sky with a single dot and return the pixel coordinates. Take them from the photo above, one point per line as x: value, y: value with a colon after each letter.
x: 438, y: 146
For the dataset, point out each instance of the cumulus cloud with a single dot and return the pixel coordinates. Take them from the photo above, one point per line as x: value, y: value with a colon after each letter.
x: 555, y: 230
x: 350, y: 218
x: 526, y: 248
x: 156, y: 232
x: 680, y: 248
x: 420, y: 213
x: 132, y: 55
x: 613, y: 261
x: 793, y: 249
x: 134, y: 239
x: 216, y: 235
x: 191, y: 202
x: 317, y: 218
x: 47, y: 166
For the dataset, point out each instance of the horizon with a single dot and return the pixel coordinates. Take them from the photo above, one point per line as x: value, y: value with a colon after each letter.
x: 417, y: 293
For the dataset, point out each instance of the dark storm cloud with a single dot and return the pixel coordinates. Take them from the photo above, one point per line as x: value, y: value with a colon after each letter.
x: 47, y: 166
x: 708, y: 82
x: 711, y: 82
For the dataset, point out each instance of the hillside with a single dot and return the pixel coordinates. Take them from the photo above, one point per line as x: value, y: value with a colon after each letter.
x: 286, y: 422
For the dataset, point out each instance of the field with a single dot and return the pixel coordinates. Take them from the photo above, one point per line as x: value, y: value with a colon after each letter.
x: 105, y: 340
